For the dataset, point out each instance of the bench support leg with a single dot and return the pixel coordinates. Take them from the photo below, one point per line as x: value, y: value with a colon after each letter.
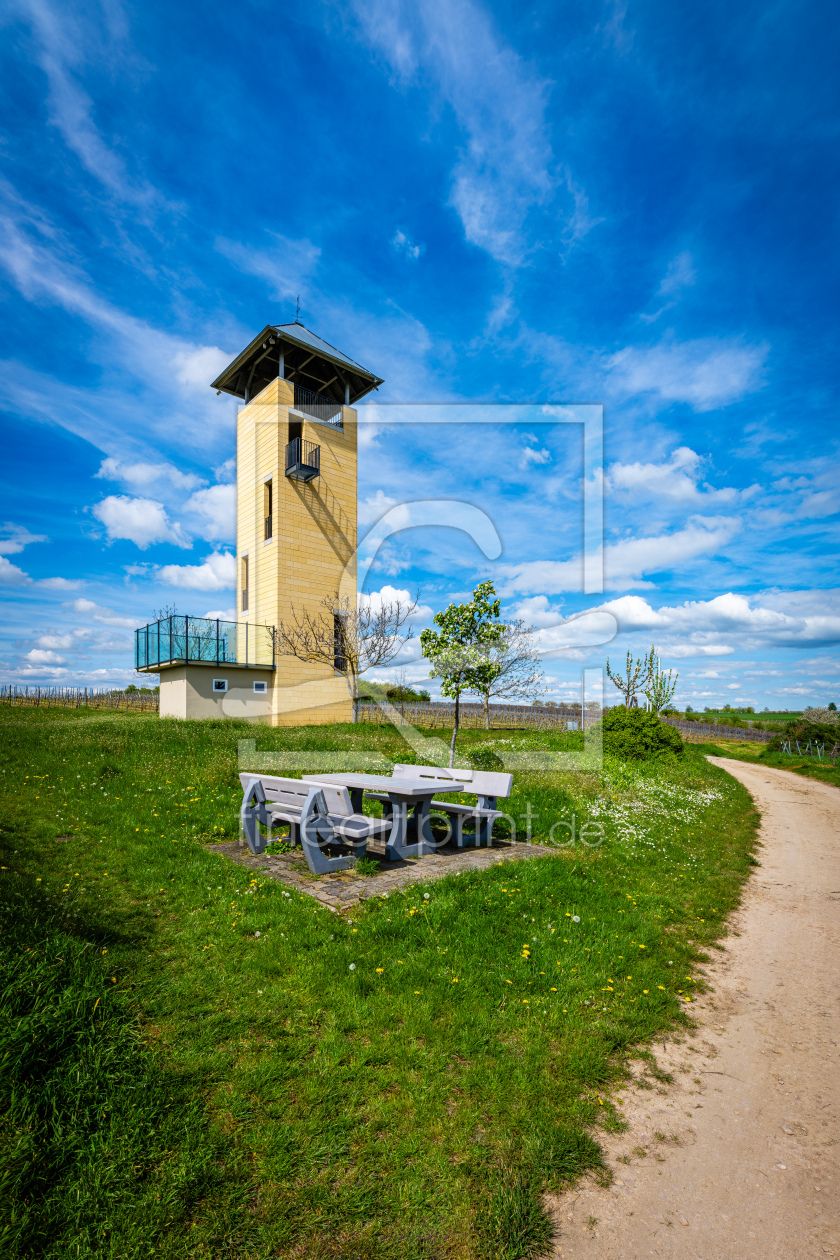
x: 253, y: 815
x: 316, y: 832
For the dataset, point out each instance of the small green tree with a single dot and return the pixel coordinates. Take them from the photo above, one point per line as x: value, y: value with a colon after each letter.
x: 635, y: 676
x: 458, y: 648
x: 660, y: 687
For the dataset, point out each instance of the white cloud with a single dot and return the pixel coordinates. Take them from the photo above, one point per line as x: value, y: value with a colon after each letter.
x: 392, y: 561
x: 197, y: 366
x: 13, y: 538
x: 11, y: 574
x: 61, y: 584
x: 215, y: 509
x: 583, y: 630
x: 376, y: 505
x: 680, y: 275
x: 142, y: 475
x: 227, y: 471
x: 36, y: 260
x: 532, y: 455
x: 705, y: 373
x: 40, y: 656
x: 537, y: 611
x: 286, y: 266
x: 696, y: 627
x: 141, y: 521
x: 216, y: 573
x: 95, y: 612
x: 62, y: 42
x: 499, y: 103
x: 391, y: 595
x: 221, y: 614
x: 55, y: 641
x: 681, y: 650
x: 403, y: 244
x: 675, y: 478
x: 626, y: 562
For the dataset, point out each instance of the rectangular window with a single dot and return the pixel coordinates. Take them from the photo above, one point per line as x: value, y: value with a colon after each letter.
x: 260, y: 688
x: 268, y: 506
x: 339, y: 660
x: 220, y: 684
x: 244, y: 580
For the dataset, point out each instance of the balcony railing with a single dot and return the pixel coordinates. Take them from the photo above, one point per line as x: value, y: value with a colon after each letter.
x: 184, y: 640
x: 318, y: 406
x: 303, y: 460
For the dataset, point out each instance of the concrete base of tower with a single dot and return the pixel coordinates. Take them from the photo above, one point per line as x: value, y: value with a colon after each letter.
x: 214, y: 691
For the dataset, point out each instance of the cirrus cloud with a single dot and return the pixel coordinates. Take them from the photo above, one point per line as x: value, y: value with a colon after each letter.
x: 705, y: 373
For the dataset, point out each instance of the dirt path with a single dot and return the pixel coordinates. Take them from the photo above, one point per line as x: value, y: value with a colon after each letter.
x: 740, y: 1154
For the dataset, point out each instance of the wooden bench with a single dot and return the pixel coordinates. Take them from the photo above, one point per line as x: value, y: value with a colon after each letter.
x: 488, y: 786
x: 319, y: 815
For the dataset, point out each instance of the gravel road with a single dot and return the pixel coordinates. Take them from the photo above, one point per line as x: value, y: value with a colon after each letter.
x: 739, y: 1157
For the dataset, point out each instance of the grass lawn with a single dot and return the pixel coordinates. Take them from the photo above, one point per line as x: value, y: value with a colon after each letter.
x: 197, y: 1064
x: 810, y: 767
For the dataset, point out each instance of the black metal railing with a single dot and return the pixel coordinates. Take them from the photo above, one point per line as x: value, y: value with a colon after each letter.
x: 327, y: 410
x: 303, y: 460
x: 267, y: 528
x: 181, y: 640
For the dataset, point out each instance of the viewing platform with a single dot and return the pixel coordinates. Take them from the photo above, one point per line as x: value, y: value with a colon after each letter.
x: 182, y: 640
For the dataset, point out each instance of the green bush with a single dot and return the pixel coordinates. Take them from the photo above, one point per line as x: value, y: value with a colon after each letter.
x: 485, y: 759
x: 803, y: 731
x: 637, y: 735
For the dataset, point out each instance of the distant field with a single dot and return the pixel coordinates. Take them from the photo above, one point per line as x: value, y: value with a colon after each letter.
x: 195, y: 1064
x: 715, y: 715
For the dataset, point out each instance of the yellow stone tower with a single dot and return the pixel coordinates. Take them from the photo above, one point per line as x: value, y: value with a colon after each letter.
x: 296, y: 482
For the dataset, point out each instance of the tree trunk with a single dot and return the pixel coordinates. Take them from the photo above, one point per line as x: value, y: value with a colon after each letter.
x: 455, y: 730
x: 487, y: 710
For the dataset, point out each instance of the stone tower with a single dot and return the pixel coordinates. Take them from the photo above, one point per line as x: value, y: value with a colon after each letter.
x: 296, y: 482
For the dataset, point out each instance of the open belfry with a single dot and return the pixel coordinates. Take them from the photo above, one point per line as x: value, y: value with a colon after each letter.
x: 296, y: 483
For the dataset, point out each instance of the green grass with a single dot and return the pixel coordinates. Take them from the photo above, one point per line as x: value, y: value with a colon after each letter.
x: 808, y: 767
x: 245, y: 1074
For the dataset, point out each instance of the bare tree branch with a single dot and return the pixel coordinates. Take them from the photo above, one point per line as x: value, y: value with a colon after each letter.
x: 512, y: 667
x: 349, y: 638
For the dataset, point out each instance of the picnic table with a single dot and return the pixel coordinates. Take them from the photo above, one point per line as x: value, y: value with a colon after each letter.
x: 403, y: 795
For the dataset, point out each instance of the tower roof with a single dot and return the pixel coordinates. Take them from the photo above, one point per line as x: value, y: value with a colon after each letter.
x: 308, y: 360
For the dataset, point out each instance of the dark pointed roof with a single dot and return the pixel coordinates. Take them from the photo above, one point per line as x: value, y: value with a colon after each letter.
x: 308, y: 361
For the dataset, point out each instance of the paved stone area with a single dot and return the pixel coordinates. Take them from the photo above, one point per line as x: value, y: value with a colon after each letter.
x: 345, y: 889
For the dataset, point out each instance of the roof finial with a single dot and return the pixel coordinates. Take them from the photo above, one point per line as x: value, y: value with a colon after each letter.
x: 297, y: 310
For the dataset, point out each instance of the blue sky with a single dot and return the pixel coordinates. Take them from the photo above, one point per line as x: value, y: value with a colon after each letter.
x: 634, y: 205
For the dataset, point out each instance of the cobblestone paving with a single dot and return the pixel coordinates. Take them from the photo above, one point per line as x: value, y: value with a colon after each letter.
x: 345, y: 889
